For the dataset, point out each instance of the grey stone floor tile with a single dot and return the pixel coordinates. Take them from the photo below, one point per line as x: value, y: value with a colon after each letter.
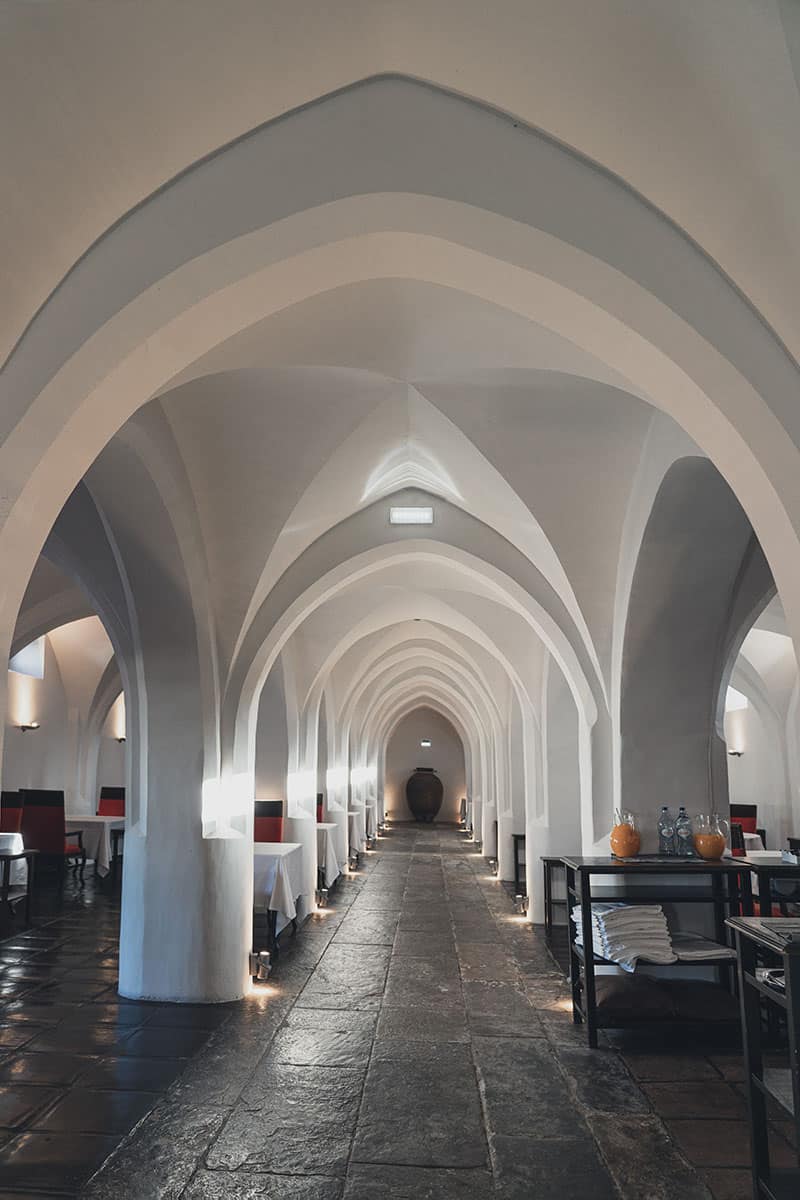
x: 424, y: 1024
x: 162, y: 1157
x: 308, y: 1148
x: 416, y: 1183
x: 500, y: 1010
x: 486, y: 963
x: 322, y: 1047
x: 422, y: 945
x: 524, y: 1090
x: 238, y: 1185
x: 340, y: 1019
x: 643, y: 1161
x: 530, y: 1168
x: 424, y: 1111
x: 601, y: 1081
x: 367, y: 928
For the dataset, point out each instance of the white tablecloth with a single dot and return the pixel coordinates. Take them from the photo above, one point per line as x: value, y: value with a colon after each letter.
x: 326, y: 851
x: 357, y: 828
x: 372, y: 818
x: 277, y: 878
x: 96, y: 836
x: 11, y: 843
x: 752, y: 841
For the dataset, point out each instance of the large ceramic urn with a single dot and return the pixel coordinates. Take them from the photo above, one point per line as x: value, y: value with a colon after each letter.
x: 424, y: 794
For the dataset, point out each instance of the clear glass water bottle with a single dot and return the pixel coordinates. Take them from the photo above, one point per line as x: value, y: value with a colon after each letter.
x: 684, y: 834
x: 666, y: 832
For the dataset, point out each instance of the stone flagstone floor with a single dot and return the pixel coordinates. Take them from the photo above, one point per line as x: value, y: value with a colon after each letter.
x: 415, y: 1043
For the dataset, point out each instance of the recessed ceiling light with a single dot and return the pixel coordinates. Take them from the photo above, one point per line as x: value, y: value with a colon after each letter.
x: 411, y: 515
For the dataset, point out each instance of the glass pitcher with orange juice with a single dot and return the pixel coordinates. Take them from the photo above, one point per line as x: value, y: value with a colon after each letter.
x: 625, y: 839
x: 711, y: 833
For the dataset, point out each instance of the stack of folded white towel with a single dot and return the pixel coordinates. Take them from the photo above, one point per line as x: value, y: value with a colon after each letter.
x: 626, y: 933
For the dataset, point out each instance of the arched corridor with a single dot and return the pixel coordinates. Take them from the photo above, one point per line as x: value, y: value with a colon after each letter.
x: 396, y: 397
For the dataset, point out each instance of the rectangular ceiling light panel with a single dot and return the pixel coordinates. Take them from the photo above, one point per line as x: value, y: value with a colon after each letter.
x: 410, y: 515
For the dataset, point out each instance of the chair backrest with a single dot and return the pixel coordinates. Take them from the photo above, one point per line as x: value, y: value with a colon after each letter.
x: 10, y: 812
x: 737, y: 840
x: 268, y: 824
x: 112, y: 802
x: 746, y: 824
x: 320, y: 805
x: 745, y: 810
x: 43, y: 825
x: 794, y: 845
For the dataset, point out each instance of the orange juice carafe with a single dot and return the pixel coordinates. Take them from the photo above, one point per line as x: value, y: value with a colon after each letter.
x: 710, y: 836
x: 625, y: 840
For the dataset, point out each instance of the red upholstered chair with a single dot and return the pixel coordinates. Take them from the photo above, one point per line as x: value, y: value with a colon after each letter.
x: 43, y: 828
x: 746, y: 816
x: 112, y: 802
x: 10, y: 812
x: 268, y: 825
x: 320, y: 806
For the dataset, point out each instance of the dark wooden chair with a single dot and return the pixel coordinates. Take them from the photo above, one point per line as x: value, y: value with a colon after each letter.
x: 10, y: 812
x: 268, y: 824
x: 44, y: 829
x: 320, y: 806
x: 794, y: 845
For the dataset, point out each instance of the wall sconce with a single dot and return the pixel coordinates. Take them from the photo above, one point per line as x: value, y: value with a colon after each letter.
x: 520, y: 905
x: 493, y: 865
x: 121, y: 739
x: 735, y: 753
x: 260, y: 965
x: 30, y: 725
x: 425, y: 743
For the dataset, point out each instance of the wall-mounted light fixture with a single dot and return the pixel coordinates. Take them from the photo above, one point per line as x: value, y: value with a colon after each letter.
x: 410, y: 515
x: 736, y: 753
x: 121, y: 739
x: 426, y: 743
x: 30, y: 725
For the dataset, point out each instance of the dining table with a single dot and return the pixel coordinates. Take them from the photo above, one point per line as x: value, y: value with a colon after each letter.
x: 327, y: 857
x: 12, y: 843
x: 357, y: 829
x: 277, y: 882
x: 96, y: 836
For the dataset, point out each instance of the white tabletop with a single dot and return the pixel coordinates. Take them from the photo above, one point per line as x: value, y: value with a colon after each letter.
x: 96, y: 836
x: 277, y: 878
x: 12, y: 843
x: 326, y: 851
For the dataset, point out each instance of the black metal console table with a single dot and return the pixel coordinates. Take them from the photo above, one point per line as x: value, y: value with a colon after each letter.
x: 724, y: 885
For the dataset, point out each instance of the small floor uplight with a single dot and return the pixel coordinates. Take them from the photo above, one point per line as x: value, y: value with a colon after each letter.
x: 322, y: 897
x: 352, y: 861
x: 260, y: 965
x: 493, y: 865
x: 520, y: 905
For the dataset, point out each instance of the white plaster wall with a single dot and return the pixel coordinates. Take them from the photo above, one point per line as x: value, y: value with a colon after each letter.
x: 404, y: 754
x: 758, y: 776
x: 272, y: 743
x: 111, y: 753
x: 37, y: 759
